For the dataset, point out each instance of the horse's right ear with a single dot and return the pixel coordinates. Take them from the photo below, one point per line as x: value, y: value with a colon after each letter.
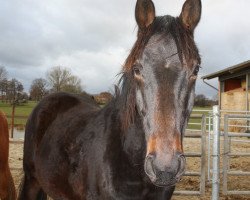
x: 144, y: 13
x: 191, y: 14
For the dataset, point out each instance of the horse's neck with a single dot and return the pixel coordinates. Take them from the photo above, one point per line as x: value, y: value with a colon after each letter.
x: 132, y: 139
x: 125, y: 151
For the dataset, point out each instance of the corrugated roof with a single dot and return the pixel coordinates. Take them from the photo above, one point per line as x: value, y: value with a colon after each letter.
x: 229, y: 70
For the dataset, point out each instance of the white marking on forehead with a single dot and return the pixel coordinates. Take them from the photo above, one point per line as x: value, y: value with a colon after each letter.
x: 167, y: 65
x: 171, y: 60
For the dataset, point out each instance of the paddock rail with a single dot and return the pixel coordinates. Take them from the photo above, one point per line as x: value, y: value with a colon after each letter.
x: 201, y: 155
x: 228, y: 154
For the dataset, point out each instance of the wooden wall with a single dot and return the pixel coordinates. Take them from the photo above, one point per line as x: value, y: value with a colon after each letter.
x: 232, y: 84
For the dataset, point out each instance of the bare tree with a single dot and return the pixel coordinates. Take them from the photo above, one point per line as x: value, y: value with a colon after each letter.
x: 3, y: 81
x: 73, y: 85
x: 38, y: 89
x: 13, y: 90
x: 3, y: 73
x: 61, y: 79
x: 200, y: 100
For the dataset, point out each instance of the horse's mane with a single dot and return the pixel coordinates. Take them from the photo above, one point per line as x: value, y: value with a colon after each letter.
x: 162, y: 25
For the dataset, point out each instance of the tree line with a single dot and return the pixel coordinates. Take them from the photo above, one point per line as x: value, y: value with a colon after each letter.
x: 202, y: 101
x: 10, y: 89
x: 58, y: 79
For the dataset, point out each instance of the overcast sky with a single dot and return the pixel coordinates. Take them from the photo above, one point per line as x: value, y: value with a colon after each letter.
x: 93, y: 37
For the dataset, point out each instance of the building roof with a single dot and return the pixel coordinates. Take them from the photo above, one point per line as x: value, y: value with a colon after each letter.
x: 229, y: 70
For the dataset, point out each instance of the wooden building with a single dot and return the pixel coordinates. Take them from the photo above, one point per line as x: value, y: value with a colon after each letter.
x: 234, y: 87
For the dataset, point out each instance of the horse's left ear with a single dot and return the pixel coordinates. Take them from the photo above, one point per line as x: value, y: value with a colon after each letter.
x: 191, y: 14
x: 144, y: 13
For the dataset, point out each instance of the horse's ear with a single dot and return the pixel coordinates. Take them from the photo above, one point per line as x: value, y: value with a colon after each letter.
x: 191, y: 14
x: 144, y: 13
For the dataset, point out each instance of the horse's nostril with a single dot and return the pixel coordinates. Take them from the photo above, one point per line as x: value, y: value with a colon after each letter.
x: 181, y: 167
x: 149, y: 169
x: 151, y: 156
x: 179, y: 155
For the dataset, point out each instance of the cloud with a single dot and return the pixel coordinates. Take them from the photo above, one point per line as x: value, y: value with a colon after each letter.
x: 93, y: 38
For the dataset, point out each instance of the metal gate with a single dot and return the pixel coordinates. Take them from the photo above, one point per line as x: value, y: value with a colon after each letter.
x: 202, y: 155
x: 212, y: 153
x: 228, y: 153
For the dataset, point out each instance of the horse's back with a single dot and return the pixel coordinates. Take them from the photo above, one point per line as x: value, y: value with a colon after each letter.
x: 49, y: 109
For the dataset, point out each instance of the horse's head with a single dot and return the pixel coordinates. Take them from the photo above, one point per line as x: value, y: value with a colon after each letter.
x: 163, y: 67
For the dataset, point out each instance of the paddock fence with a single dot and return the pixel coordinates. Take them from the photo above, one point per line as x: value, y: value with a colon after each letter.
x: 15, y: 121
x: 229, y: 153
x: 195, y: 133
x: 228, y: 128
x: 216, y: 127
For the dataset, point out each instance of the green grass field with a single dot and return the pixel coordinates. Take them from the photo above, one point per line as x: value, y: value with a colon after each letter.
x: 25, y: 110
x: 21, y: 110
x: 198, y: 111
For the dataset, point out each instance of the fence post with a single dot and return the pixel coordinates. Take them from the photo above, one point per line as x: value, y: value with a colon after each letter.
x: 226, y: 166
x: 203, y: 156
x: 209, y: 150
x: 216, y: 154
x: 13, y: 120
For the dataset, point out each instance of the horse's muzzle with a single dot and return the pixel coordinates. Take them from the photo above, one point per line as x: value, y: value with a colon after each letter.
x: 168, y: 177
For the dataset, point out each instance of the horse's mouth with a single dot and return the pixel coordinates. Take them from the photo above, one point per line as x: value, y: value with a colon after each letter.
x: 165, y: 178
x: 167, y: 183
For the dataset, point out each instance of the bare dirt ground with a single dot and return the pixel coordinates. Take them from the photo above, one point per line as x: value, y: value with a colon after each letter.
x: 187, y: 183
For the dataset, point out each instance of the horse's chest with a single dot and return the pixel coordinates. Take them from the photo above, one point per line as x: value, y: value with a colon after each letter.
x: 118, y: 187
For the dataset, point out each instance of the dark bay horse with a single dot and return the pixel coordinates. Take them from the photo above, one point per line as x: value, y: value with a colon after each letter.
x: 7, y: 188
x: 132, y: 148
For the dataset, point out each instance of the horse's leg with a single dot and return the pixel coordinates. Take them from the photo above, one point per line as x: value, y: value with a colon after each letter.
x: 31, y: 190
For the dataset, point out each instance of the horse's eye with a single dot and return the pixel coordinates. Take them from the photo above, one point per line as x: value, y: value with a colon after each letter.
x: 137, y: 71
x: 196, y: 70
